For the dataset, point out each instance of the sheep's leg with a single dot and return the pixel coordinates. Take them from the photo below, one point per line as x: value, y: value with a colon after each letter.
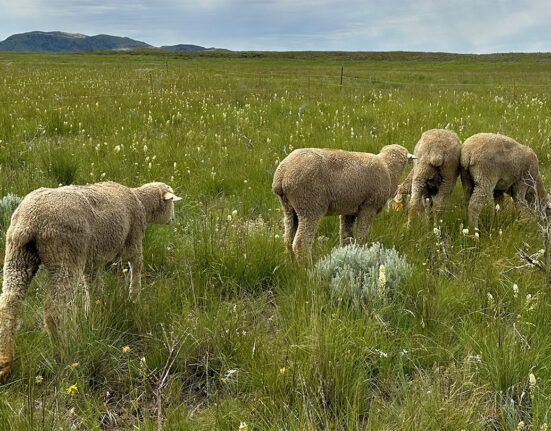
x: 417, y: 192
x: 444, y: 192
x: 304, y: 238
x: 63, y: 283
x: 19, y: 269
x: 290, y: 221
x: 136, y: 264
x: 519, y: 190
x: 481, y: 195
x: 468, y: 186
x: 365, y: 218
x: 90, y: 281
x: 347, y: 227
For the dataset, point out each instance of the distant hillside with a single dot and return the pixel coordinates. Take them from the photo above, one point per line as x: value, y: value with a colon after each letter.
x: 182, y: 47
x: 56, y: 41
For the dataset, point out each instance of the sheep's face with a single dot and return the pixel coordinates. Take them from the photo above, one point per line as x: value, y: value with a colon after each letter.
x: 395, y: 154
x: 162, y: 205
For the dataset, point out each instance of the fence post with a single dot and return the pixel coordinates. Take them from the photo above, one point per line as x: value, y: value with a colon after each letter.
x: 342, y: 71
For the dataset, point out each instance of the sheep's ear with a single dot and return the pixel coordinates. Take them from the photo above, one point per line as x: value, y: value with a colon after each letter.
x: 412, y: 157
x: 168, y: 196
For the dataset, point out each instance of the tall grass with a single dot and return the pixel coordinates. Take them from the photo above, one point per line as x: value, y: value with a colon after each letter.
x: 261, y: 344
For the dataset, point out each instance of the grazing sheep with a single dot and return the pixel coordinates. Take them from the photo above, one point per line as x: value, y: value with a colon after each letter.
x: 435, y: 171
x: 74, y: 231
x: 316, y: 182
x: 493, y: 164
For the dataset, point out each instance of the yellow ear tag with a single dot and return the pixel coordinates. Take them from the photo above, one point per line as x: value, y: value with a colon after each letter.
x: 397, y: 206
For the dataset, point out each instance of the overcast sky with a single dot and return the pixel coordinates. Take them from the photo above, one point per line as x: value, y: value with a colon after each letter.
x: 477, y: 26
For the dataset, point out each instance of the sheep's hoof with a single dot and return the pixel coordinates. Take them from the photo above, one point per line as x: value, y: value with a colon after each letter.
x: 5, y: 368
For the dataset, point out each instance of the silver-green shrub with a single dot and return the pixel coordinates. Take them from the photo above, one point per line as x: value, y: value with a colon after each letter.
x: 362, y: 273
x: 8, y: 204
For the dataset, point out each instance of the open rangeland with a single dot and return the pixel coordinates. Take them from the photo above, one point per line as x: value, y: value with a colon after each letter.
x: 228, y: 333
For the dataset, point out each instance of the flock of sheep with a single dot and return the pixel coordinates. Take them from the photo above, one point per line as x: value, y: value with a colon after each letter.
x: 312, y: 182
x: 74, y: 231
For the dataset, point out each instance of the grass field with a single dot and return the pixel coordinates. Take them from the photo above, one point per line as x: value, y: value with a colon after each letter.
x: 255, y: 343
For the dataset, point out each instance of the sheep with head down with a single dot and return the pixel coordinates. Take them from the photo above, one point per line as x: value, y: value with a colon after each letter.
x: 434, y: 173
x: 315, y: 182
x: 494, y: 164
x: 74, y: 231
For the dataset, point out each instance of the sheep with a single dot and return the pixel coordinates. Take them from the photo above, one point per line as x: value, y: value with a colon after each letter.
x: 494, y: 164
x: 316, y: 182
x: 74, y: 231
x: 435, y: 171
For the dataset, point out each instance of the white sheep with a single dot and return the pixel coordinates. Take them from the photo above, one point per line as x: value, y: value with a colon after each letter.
x: 316, y: 182
x: 494, y: 164
x: 74, y: 231
x: 435, y: 171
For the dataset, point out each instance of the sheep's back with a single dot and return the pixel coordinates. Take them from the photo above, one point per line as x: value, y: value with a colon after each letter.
x: 98, y: 217
x: 336, y: 179
x: 497, y: 156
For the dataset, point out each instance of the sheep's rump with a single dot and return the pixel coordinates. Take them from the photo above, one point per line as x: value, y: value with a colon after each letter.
x: 96, y: 219
x: 499, y: 159
x: 331, y: 181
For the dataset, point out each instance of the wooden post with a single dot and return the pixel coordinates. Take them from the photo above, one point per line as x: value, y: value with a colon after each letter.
x: 342, y: 71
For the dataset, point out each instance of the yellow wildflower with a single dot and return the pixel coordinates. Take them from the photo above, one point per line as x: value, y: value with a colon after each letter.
x: 72, y: 389
x: 126, y: 349
x: 75, y: 364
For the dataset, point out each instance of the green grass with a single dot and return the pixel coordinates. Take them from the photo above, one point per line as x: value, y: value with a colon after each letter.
x: 260, y: 343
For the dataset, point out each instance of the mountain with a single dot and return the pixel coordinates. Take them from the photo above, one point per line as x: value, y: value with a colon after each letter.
x: 57, y: 41
x: 182, y: 47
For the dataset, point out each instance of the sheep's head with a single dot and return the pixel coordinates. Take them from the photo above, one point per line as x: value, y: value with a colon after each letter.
x: 396, y: 156
x: 158, y: 200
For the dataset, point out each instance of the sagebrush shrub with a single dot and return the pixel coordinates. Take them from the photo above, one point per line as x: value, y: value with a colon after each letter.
x: 8, y: 204
x: 361, y: 273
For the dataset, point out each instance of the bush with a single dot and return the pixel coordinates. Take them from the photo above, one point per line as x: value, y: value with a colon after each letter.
x: 8, y: 204
x: 361, y: 273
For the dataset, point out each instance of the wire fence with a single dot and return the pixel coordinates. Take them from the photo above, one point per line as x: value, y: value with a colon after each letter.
x: 159, y: 79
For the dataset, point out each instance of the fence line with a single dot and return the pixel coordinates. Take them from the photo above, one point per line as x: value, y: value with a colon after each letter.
x: 304, y: 83
x: 162, y: 77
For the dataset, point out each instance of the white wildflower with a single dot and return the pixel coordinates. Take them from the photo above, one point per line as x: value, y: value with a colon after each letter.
x: 382, y: 280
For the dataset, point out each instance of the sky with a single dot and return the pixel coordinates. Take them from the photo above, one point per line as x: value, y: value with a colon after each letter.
x: 462, y: 26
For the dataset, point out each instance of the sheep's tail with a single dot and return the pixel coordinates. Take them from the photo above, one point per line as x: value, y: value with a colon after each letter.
x: 21, y: 254
x: 436, y: 159
x: 277, y: 185
x: 20, y: 265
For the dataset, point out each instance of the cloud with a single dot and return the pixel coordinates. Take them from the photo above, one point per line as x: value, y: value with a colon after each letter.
x: 431, y: 25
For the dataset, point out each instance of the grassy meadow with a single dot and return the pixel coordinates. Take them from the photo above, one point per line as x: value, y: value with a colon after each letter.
x: 228, y: 334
